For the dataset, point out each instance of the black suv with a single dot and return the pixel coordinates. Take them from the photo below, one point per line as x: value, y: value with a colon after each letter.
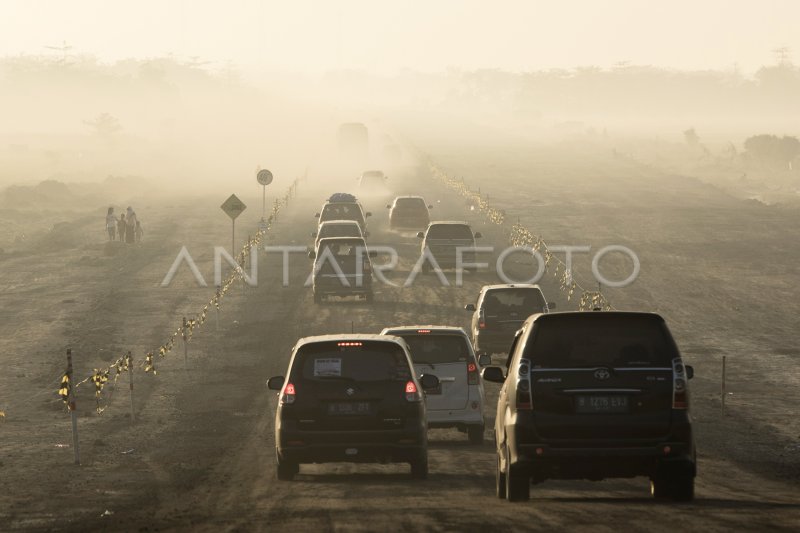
x: 342, y: 267
x: 594, y: 395
x: 351, y: 398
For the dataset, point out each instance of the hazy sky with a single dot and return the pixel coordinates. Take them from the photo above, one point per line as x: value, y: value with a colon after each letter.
x: 430, y: 35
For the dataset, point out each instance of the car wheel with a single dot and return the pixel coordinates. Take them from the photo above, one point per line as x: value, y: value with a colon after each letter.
x: 500, y: 479
x: 286, y: 470
x: 518, y: 484
x: 681, y: 488
x: 475, y: 434
x: 419, y: 466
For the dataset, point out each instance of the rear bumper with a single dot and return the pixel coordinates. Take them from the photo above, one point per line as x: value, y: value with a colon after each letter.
x: 352, y: 446
x: 333, y: 286
x: 460, y: 418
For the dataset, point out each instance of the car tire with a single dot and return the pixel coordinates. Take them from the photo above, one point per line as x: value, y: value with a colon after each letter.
x: 500, y: 479
x: 419, y: 466
x: 518, y: 483
x: 285, y: 470
x: 475, y: 434
x: 681, y: 488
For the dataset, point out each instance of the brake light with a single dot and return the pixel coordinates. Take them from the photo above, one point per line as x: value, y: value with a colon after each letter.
x: 680, y: 393
x: 349, y: 344
x: 524, y: 392
x: 412, y: 394
x: 472, y: 374
x: 289, y: 395
x: 423, y: 331
x: 481, y: 320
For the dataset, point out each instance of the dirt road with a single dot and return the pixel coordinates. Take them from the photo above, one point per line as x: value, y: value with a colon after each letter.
x: 200, y: 456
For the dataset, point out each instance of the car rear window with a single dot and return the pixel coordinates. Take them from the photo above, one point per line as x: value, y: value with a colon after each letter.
x: 436, y: 349
x: 339, y: 230
x: 600, y: 340
x: 410, y: 203
x: 450, y: 231
x: 519, y: 300
x: 351, y: 361
x: 343, y: 248
x: 341, y: 211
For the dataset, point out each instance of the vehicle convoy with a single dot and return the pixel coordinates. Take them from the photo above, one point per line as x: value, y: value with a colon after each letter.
x: 409, y: 212
x: 342, y: 267
x: 343, y: 206
x: 372, y: 181
x: 443, y: 239
x: 593, y: 395
x: 499, y: 312
x: 350, y: 398
x: 336, y: 228
x: 446, y: 352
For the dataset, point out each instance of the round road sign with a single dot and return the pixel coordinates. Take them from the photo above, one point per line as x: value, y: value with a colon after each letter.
x: 264, y: 177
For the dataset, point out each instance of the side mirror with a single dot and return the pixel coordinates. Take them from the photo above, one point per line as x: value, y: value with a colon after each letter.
x: 388, y: 206
x: 493, y: 374
x: 313, y: 233
x: 421, y: 235
x: 551, y: 305
x: 478, y: 235
x: 316, y: 215
x: 373, y: 253
x: 428, y: 382
x: 689, y: 371
x: 430, y: 206
x: 470, y: 307
x: 368, y: 214
x: 366, y: 234
x: 275, y: 383
x: 484, y: 359
x: 312, y: 254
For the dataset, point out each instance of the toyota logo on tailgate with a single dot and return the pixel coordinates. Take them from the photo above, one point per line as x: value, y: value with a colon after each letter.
x: 602, y: 374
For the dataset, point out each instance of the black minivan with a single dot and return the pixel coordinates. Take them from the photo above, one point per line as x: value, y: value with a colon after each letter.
x: 351, y: 398
x: 594, y: 395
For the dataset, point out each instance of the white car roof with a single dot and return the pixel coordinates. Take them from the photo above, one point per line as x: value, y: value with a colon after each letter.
x: 340, y: 223
x: 346, y: 337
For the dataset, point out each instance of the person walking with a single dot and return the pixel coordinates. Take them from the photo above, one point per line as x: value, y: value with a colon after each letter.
x: 121, y: 227
x: 111, y: 224
x: 139, y: 231
x: 130, y: 226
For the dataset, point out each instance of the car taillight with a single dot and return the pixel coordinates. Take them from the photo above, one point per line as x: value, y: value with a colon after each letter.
x: 412, y: 394
x: 524, y: 392
x: 481, y: 320
x: 473, y: 377
x: 289, y: 395
x: 680, y: 394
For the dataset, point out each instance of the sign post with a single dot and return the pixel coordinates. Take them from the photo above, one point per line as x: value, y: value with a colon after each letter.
x: 264, y: 177
x: 233, y: 207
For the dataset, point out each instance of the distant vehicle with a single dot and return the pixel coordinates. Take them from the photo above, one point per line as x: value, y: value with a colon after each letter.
x: 594, y: 395
x: 354, y: 141
x: 336, y: 228
x: 409, y: 212
x: 500, y: 311
x: 343, y: 206
x: 443, y: 238
x: 446, y: 352
x: 372, y: 181
x: 350, y: 398
x: 342, y: 267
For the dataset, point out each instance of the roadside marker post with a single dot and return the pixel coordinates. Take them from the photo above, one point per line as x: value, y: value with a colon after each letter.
x: 130, y: 381
x: 216, y: 307
x: 73, y: 410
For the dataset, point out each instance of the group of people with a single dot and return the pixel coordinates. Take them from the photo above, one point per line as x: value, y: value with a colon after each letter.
x: 126, y: 228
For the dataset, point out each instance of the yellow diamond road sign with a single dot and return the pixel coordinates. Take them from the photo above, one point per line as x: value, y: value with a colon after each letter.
x: 233, y: 207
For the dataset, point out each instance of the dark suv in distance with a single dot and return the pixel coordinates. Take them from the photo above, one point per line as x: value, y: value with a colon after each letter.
x: 594, y: 395
x: 351, y: 398
x: 499, y: 312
